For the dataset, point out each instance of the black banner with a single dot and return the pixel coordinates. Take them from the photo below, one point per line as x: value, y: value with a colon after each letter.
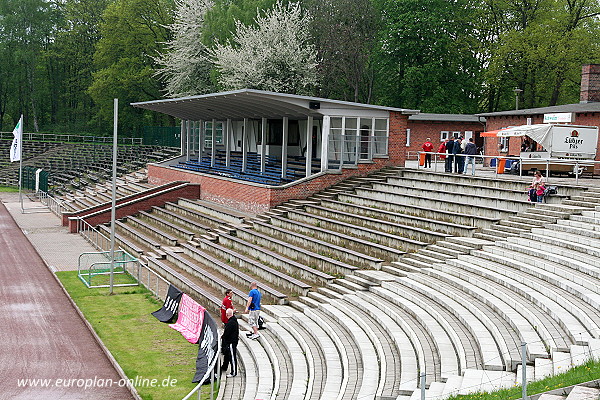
x: 208, y: 345
x: 168, y: 310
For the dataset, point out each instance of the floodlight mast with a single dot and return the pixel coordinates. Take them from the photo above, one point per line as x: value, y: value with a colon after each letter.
x: 114, y: 198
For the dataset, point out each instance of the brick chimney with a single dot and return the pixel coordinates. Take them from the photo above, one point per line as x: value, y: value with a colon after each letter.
x: 590, y: 83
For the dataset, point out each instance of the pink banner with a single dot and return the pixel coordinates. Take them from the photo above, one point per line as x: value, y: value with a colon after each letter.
x: 190, y: 318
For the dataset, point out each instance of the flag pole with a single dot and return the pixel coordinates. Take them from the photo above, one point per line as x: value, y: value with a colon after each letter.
x: 21, y: 165
x: 114, y: 198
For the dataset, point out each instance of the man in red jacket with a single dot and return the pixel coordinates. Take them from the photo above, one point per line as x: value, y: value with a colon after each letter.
x: 226, y: 304
x: 428, y: 149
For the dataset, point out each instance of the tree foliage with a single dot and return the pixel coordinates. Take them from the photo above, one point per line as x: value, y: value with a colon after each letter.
x: 185, y: 63
x: 132, y: 31
x: 274, y: 55
x: 63, y: 61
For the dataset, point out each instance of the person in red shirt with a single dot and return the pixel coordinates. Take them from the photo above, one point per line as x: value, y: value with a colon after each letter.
x: 428, y: 149
x: 226, y: 304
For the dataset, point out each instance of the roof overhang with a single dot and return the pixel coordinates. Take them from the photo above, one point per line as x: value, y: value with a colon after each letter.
x: 250, y: 103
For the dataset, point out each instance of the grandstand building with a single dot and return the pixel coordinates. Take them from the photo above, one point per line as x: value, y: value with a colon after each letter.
x: 254, y: 149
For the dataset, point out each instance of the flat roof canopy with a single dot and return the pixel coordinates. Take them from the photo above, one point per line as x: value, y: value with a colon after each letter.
x: 250, y: 103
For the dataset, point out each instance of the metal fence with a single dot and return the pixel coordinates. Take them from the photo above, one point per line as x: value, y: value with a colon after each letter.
x: 169, y: 136
x: 54, y: 205
x: 64, y: 137
x: 572, y: 166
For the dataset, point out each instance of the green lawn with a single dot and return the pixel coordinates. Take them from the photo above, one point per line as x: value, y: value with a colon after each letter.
x: 9, y: 189
x: 583, y: 373
x: 143, y: 346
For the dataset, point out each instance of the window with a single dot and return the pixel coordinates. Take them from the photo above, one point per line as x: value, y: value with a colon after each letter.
x: 503, y: 145
x: 444, y: 135
x: 208, y: 130
x: 408, y: 137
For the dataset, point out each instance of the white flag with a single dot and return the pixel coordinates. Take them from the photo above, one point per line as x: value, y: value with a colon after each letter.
x: 15, y: 147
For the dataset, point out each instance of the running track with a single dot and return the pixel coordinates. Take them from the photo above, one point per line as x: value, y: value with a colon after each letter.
x: 41, y: 334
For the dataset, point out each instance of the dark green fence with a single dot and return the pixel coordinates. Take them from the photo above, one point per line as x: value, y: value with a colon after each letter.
x: 169, y: 136
x: 29, y: 179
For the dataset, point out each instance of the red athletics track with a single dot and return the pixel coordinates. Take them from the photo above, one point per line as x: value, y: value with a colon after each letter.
x: 41, y: 334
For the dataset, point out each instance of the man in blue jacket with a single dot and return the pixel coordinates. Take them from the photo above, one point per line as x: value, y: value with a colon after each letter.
x: 253, y: 309
x: 450, y: 156
x: 458, y: 160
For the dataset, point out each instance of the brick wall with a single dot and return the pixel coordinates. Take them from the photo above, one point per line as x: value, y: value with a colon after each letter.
x: 397, y: 138
x: 421, y: 130
x: 590, y: 83
x: 140, y: 204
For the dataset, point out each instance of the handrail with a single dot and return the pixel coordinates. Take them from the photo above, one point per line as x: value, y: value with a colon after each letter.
x: 65, y: 137
x: 56, y: 206
x: 578, y: 164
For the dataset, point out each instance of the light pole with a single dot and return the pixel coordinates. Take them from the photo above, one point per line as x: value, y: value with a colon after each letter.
x: 517, y: 92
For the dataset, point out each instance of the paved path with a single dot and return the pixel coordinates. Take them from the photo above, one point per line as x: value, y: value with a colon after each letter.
x: 59, y: 249
x: 41, y: 334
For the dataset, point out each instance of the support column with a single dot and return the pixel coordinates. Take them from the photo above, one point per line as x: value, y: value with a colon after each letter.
x: 182, y: 133
x: 213, y: 143
x: 284, y: 147
x: 187, y: 140
x: 263, y: 144
x: 245, y: 145
x: 228, y: 132
x: 309, y: 149
x: 325, y: 143
x: 201, y: 138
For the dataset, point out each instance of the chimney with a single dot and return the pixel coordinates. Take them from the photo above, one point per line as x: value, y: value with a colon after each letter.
x: 590, y: 83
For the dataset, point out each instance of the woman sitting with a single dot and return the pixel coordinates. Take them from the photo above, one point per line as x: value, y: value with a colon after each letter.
x: 537, y: 188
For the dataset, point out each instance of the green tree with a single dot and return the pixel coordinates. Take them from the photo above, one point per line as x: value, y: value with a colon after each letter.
x: 344, y: 32
x: 427, y: 55
x: 275, y: 54
x: 133, y: 33
x: 27, y: 28
x: 539, y: 48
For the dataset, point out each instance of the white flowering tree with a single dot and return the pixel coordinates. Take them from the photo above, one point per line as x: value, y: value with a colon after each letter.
x: 275, y: 54
x: 185, y: 65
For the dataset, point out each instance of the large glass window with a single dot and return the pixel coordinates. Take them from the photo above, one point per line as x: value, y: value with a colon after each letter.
x: 208, y: 130
x: 352, y: 139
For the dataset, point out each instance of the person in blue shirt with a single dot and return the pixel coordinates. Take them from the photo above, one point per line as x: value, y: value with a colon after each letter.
x: 253, y: 309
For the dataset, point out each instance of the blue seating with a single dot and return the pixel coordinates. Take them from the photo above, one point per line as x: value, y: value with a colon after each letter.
x: 270, y: 176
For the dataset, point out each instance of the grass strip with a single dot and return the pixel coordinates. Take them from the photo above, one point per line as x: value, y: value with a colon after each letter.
x: 144, y: 347
x: 9, y: 189
x: 580, y: 374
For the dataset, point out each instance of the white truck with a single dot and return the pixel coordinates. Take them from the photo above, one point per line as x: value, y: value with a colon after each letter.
x: 566, y: 147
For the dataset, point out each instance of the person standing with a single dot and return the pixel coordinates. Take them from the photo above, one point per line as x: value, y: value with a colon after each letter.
x: 253, y: 309
x: 226, y: 305
x: 442, y: 149
x: 450, y: 157
x: 229, y: 342
x: 428, y: 149
x: 471, y: 152
x: 458, y: 160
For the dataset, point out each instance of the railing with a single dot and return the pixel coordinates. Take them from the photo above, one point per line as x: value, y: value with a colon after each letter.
x: 150, y: 279
x: 61, y: 137
x: 54, y: 205
x: 578, y: 166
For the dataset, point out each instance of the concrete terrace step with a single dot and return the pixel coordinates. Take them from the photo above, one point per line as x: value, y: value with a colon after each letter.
x: 230, y: 246
x: 575, y: 250
x: 490, y: 341
x: 340, y: 239
x: 510, y: 309
x: 370, y: 352
x: 559, y: 307
x: 451, y: 354
x: 431, y: 224
x: 364, y: 228
x: 470, y: 219
x: 342, y: 253
x: 298, y: 254
x: 453, y: 204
